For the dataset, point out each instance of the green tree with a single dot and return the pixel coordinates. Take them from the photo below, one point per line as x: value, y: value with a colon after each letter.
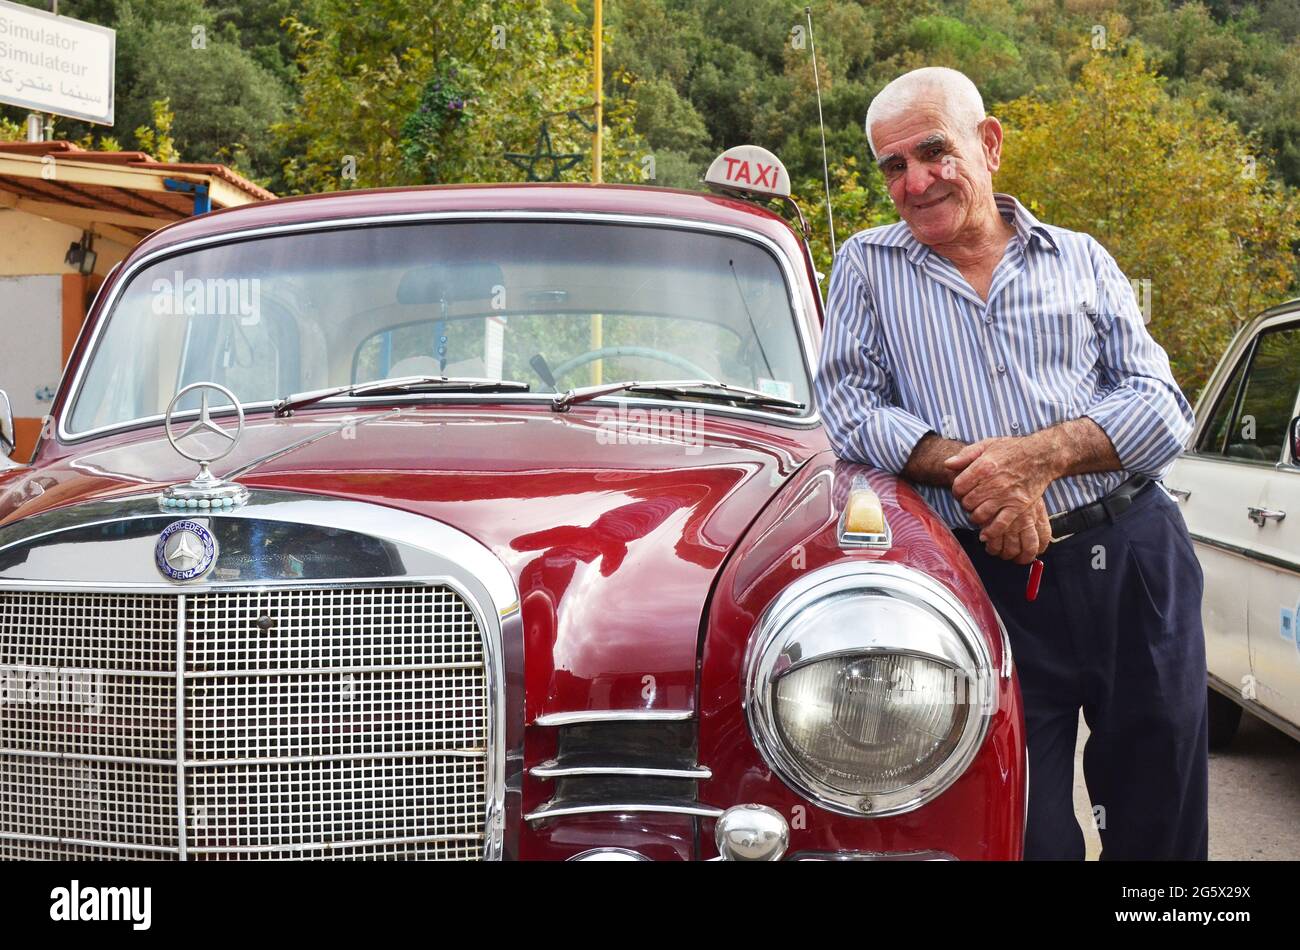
x: 1178, y: 194
x: 857, y: 204
x: 157, y: 139
x: 380, y: 82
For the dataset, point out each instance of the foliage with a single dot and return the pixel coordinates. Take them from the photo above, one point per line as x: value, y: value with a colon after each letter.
x: 366, y: 72
x: 1177, y: 194
x: 446, y: 108
x: 158, y: 141
x: 855, y: 205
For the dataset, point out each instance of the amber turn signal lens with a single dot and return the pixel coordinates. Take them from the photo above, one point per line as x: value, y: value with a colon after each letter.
x: 863, y: 513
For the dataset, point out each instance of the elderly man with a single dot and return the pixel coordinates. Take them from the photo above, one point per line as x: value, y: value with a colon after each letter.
x: 1002, y: 366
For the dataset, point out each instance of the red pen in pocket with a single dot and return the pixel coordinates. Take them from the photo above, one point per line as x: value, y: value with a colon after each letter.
x: 1035, y: 576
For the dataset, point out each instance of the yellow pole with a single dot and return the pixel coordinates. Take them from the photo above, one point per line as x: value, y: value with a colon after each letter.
x: 597, y: 328
x: 598, y: 34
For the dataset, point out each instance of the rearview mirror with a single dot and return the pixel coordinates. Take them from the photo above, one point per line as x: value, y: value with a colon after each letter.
x: 1294, y: 432
x: 8, y: 440
x: 468, y: 280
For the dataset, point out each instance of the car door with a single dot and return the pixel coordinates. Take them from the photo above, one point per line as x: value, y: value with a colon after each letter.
x: 1215, y: 481
x: 1274, y: 594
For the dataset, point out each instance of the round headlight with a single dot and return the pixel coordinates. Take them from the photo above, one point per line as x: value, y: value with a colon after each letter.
x: 869, y: 688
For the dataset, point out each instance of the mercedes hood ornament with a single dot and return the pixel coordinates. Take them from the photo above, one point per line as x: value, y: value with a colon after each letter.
x: 205, y: 442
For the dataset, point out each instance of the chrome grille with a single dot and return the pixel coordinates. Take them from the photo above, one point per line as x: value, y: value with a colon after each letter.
x: 317, y: 722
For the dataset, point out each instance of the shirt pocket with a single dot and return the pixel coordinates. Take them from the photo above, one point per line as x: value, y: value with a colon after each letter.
x: 1062, y: 339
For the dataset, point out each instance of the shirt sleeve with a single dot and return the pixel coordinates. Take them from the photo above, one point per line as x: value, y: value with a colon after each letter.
x: 853, y: 386
x: 1144, y: 413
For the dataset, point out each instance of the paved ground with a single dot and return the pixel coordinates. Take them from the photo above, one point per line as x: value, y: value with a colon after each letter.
x: 1254, y: 796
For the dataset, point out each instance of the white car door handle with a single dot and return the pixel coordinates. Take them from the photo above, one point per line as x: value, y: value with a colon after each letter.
x: 1261, y: 515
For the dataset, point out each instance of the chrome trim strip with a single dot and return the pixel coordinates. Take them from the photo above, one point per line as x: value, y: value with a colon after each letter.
x: 86, y: 843
x: 180, y: 726
x: 1283, y: 564
x: 553, y: 769
x: 551, y: 810
x: 594, y: 854
x: 850, y: 540
x: 449, y: 545
x: 251, y: 673
x: 802, y: 318
x: 1228, y: 460
x: 89, y: 757
x: 273, y: 760
x: 332, y: 845
x: 1008, y: 660
x: 614, y: 715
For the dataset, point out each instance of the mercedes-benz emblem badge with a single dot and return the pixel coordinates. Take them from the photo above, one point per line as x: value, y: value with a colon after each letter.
x: 203, y: 425
x: 185, y: 550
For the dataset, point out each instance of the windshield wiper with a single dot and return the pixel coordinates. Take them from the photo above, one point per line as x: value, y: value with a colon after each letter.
x: 694, y: 388
x: 402, y: 384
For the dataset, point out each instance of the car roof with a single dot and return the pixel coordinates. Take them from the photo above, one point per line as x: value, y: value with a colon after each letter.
x: 531, y: 197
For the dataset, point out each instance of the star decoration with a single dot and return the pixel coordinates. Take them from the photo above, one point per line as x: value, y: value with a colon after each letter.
x: 204, y: 423
x: 543, y: 154
x: 184, y: 554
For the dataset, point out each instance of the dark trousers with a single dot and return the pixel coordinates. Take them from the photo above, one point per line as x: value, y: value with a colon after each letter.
x: 1116, y: 630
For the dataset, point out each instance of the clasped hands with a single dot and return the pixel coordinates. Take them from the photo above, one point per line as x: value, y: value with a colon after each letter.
x: 1000, y: 482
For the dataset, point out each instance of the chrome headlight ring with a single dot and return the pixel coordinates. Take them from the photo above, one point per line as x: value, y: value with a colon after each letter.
x: 907, y: 615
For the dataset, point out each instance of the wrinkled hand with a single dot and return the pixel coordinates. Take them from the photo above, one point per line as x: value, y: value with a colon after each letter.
x: 1001, y: 483
x: 1024, y: 538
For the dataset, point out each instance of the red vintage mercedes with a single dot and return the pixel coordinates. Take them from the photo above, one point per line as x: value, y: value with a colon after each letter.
x: 484, y: 522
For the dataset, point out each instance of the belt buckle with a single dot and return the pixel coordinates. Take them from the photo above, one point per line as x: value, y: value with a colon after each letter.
x: 1055, y: 538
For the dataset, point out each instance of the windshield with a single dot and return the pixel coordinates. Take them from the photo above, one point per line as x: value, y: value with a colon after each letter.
x: 554, y: 304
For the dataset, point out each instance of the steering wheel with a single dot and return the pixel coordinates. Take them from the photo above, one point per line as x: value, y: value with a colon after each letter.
x: 664, y: 356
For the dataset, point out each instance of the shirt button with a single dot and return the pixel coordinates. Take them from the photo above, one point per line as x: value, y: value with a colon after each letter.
x: 1001, y: 368
x: 988, y: 319
x: 1015, y: 426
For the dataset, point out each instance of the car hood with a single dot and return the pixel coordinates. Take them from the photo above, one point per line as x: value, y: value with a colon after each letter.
x: 614, y: 530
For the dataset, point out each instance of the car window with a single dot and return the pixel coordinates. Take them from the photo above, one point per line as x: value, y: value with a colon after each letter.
x: 519, y: 299
x: 635, y: 347
x: 1215, y: 435
x: 1258, y: 431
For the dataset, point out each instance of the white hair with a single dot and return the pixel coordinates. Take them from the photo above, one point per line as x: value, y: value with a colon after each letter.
x: 952, y: 90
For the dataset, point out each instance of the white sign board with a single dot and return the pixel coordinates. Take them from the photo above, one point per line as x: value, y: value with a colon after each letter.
x: 56, y: 64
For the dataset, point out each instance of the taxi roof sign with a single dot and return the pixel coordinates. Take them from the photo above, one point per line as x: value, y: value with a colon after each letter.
x: 751, y: 170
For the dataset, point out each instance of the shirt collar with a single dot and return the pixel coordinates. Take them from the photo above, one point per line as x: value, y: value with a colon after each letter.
x: 1027, y: 228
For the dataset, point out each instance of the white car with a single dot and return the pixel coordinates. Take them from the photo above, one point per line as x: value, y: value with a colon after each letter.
x: 1239, y: 487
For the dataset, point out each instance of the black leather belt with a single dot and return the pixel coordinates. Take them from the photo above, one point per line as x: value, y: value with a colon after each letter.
x: 1098, y: 512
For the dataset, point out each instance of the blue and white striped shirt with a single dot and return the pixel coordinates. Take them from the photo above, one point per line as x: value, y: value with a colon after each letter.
x: 911, y: 348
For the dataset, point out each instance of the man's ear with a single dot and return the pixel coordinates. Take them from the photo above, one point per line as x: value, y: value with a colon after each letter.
x: 990, y: 133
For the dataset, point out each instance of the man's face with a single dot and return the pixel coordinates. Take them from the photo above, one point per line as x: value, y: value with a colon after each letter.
x: 940, y: 176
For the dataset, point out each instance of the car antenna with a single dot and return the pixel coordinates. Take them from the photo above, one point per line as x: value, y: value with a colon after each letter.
x: 826, y: 171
